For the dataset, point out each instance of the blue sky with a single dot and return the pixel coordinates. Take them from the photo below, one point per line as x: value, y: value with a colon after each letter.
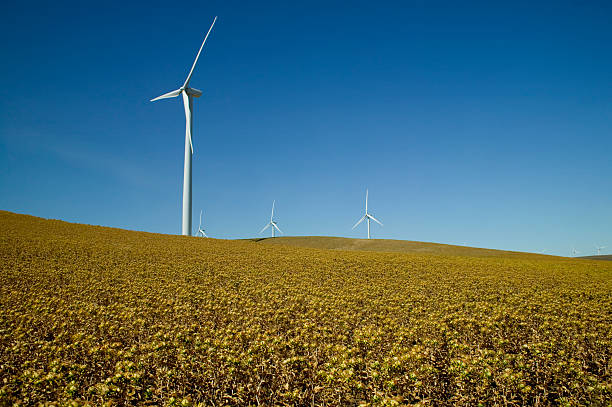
x: 472, y: 122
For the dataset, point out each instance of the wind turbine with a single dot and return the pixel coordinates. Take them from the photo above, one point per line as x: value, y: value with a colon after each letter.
x: 272, y: 222
x: 188, y: 94
x: 599, y: 248
x: 200, y: 230
x: 574, y: 251
x: 367, y: 216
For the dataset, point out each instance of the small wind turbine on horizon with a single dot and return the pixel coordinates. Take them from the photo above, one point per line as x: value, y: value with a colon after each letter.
x: 200, y: 229
x: 367, y: 217
x: 272, y: 223
x: 574, y: 251
x: 599, y: 249
x: 188, y: 94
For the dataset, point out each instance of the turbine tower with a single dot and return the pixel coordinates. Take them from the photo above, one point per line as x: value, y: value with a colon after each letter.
x: 599, y: 248
x: 200, y: 229
x: 367, y: 217
x: 188, y: 94
x: 272, y: 222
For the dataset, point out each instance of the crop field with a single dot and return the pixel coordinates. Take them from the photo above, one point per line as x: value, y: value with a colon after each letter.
x: 94, y: 315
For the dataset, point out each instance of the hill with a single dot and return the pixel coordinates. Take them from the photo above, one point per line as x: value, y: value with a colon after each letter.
x: 390, y: 246
x: 600, y: 257
x: 92, y: 315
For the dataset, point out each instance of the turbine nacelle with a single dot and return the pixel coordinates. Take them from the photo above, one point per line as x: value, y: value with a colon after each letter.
x: 196, y: 93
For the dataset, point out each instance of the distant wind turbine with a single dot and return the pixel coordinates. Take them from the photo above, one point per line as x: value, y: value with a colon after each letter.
x: 367, y: 217
x: 200, y: 229
x: 574, y: 251
x: 188, y: 95
x: 599, y: 249
x: 272, y: 223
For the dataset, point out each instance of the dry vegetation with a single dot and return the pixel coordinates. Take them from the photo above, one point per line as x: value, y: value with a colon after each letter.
x: 600, y: 257
x: 393, y: 246
x: 97, y: 315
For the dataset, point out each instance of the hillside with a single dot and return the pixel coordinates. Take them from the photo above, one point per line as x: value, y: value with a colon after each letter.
x: 94, y: 316
x: 390, y: 246
x: 600, y: 257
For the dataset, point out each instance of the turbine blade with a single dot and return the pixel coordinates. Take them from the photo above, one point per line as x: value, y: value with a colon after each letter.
x: 374, y: 219
x: 366, y: 200
x: 272, y: 216
x: 265, y: 227
x: 200, y: 227
x: 172, y: 94
x: 187, y: 104
x: 198, y: 56
x: 358, y: 222
x: 277, y: 228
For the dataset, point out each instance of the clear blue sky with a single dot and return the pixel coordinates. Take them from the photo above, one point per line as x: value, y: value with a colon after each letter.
x: 468, y: 122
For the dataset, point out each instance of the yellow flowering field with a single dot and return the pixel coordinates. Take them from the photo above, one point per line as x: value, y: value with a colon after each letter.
x: 93, y: 315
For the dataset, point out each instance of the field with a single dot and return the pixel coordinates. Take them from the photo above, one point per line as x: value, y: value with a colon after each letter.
x: 600, y: 257
x: 94, y: 315
x: 392, y: 246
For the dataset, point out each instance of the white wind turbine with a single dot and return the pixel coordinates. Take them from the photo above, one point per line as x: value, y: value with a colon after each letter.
x: 272, y: 222
x: 599, y: 249
x: 200, y: 229
x: 188, y: 95
x: 367, y: 217
x: 574, y: 251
